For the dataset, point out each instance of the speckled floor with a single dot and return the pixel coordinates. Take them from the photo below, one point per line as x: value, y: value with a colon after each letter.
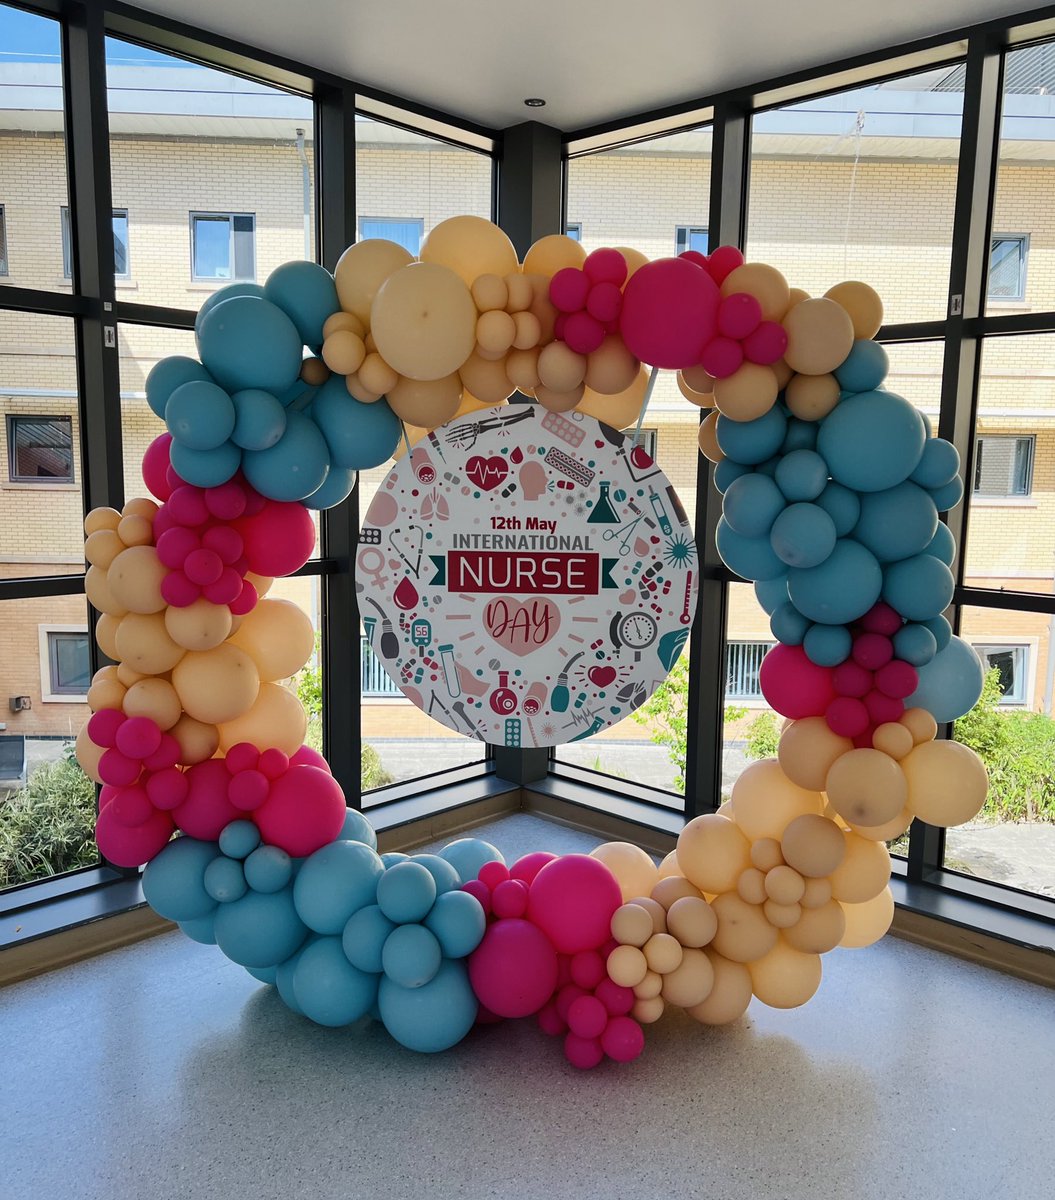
x: 164, y: 1071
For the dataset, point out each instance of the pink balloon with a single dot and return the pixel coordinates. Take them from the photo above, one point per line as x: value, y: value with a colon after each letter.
x: 510, y: 898
x: 793, y: 685
x: 175, y: 544
x: 228, y: 501
x: 766, y: 344
x: 583, y: 333
x: 246, y: 601
x: 166, y: 755
x: 224, y: 541
x: 605, y: 266
x: 242, y: 757
x: 566, y: 997
x: 274, y: 763
x: 278, y: 539
x: 722, y: 357
x: 739, y: 315
x: 694, y: 256
x: 872, y: 650
x: 605, y: 301
x: 226, y: 589
x: 550, y: 1021
x: 723, y: 262
x: 104, y: 724
x: 623, y: 1039
x: 131, y: 806
x: 248, y: 790
x: 206, y: 810
x: 203, y: 567
x: 568, y: 290
x: 882, y: 709
x: 881, y: 618
x: 851, y: 679
x: 617, y: 1000
x: 669, y: 313
x: 118, y: 769
x: 847, y: 717
x: 308, y: 757
x: 587, y: 1017
x: 513, y: 971
x: 139, y: 737
x: 572, y: 900
x: 131, y: 846
x: 587, y: 969
x: 156, y: 465
x: 177, y: 590
x: 186, y: 506
x: 583, y: 1053
x: 491, y: 874
x: 529, y: 865
x: 481, y: 892
x: 897, y: 679
x: 304, y: 811
x: 168, y: 789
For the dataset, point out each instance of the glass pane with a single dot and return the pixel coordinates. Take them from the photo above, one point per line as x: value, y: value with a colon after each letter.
x: 1020, y: 264
x: 1012, y: 840
x: 915, y: 373
x: 33, y: 162
x: 861, y: 185
x: 47, y: 804
x: 406, y: 183
x: 120, y: 223
x: 40, y: 488
x: 190, y: 149
x: 751, y: 727
x: 1013, y: 498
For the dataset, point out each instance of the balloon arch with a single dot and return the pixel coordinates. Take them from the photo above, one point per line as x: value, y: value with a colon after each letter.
x: 832, y: 487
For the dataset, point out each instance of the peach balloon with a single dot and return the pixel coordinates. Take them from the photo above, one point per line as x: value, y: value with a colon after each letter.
x: 527, y: 330
x: 729, y: 996
x: 766, y: 854
x: 634, y: 870
x: 424, y: 322
x: 345, y: 321
x: 314, y: 372
x: 765, y: 800
x: 559, y: 402
x: 866, y: 787
x: 144, y: 644
x: 662, y: 953
x: 632, y: 925
x: 106, y: 691
x: 262, y: 583
x: 376, y: 375
x: 136, y: 529
x: 818, y: 929
x: 712, y: 851
x: 343, y: 352
x: 811, y: 397
x: 97, y: 589
x: 708, y: 440
x: 813, y: 846
x: 522, y: 368
x: 88, y: 755
x: 200, y: 625
x: 862, y: 304
x: 611, y: 369
x: 820, y: 336
x: 765, y: 283
x: 277, y: 718
x: 893, y: 828
x: 560, y: 368
x: 495, y: 332
x: 692, y: 921
x: 750, y: 392
x: 128, y: 677
x: 690, y: 982
x: 198, y: 741
x: 648, y: 1012
x: 655, y: 910
x: 894, y: 739
x: 134, y: 579
x: 669, y: 866
x: 697, y: 380
x: 470, y: 246
x: 743, y: 934
x: 947, y: 782
x: 358, y: 392
x: 701, y: 399
x: 218, y: 685
x: 102, y: 547
x: 635, y: 260
x: 785, y: 977
x: 101, y: 518
x: 920, y: 723
x: 784, y: 885
x: 866, y: 923
x: 278, y: 636
x: 649, y: 987
x: 487, y: 381
x: 619, y: 411
x: 140, y: 506
x: 553, y: 253
x: 520, y: 293
x: 490, y: 293
x: 863, y: 873
x: 156, y: 699
x: 106, y: 630
x: 627, y: 966
x: 781, y: 916
x: 796, y: 296
x: 807, y: 750
x: 675, y: 887
x: 751, y: 886
x: 361, y: 272
x: 427, y: 403
x: 542, y: 308
x: 818, y: 892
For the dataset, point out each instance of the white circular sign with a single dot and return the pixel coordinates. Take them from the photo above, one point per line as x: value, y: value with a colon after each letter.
x: 527, y: 578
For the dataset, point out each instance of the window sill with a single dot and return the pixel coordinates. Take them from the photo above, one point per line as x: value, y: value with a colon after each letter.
x: 126, y: 285
x: 1003, y: 502
x: 24, y: 486
x: 214, y: 285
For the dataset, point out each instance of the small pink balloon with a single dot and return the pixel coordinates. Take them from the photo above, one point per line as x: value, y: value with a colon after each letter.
x: 669, y: 313
x: 513, y: 971
x: 254, y: 501
x: 587, y: 969
x: 274, y: 763
x: 847, y: 717
x: 583, y: 333
x: 131, y: 806
x: 206, y: 810
x: 897, y: 679
x: 203, y: 567
x: 617, y: 1000
x: 605, y: 266
x: 187, y: 506
x: 246, y: 601
x: 304, y: 810
x: 723, y: 262
x: 226, y: 502
x: 722, y: 357
x: 550, y: 1021
x: 851, y: 679
x: 623, y: 1039
x: 572, y: 900
x: 224, y: 541
x: 739, y: 315
x: 793, y: 685
x: 587, y: 1017
x: 166, y: 755
x: 568, y: 290
x: 156, y: 465
x: 248, y: 790
x: 104, y: 724
x: 242, y: 757
x: 306, y: 756
x: 584, y: 1053
x: 177, y: 590
x: 766, y: 344
x: 167, y: 789
x: 883, y: 709
x: 163, y: 522
x: 118, y: 769
x: 510, y: 898
x: 872, y: 651
x: 138, y: 737
x: 224, y: 590
x: 695, y: 257
x: 132, y: 846
x: 491, y: 874
x: 529, y: 865
x: 881, y: 618
x: 175, y: 544
x: 604, y: 302
x: 481, y: 892
x: 566, y: 996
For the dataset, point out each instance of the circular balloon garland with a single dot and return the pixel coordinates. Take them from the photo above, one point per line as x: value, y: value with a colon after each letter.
x: 832, y: 488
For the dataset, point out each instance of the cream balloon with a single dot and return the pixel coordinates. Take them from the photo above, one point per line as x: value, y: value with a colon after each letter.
x: 362, y: 270
x: 345, y: 321
x: 920, y: 723
x: 156, y: 699
x: 744, y: 934
x: 729, y: 996
x: 672, y: 889
x: 426, y: 403
x: 560, y: 368
x: 785, y: 977
x: 866, y: 787
x: 136, y: 529
x: 553, y: 253
x: 101, y: 518
x: 862, y: 303
x: 893, y: 828
x: 866, y: 923
x: 218, y: 685
x: 522, y: 368
x: 343, y: 352
x: 612, y: 370
x: 102, y: 546
x: 649, y: 987
x: 495, y: 332
x: 201, y: 625
x: 893, y: 739
x: 784, y: 885
x: 106, y: 691
x: 708, y: 440
x: 143, y: 643
x: 813, y: 846
x: 423, y: 321
x: 690, y: 982
x: 864, y: 871
x: 634, y: 870
x: 135, y: 577
x: 692, y: 921
x: 712, y: 851
x: 632, y: 925
x: 648, y: 1012
x: 490, y: 293
x: 818, y: 930
x: 276, y: 719
x: 470, y: 246
x: 749, y: 393
x: 279, y: 638
x: 765, y: 800
x: 197, y: 740
x: 97, y: 589
x: 663, y: 953
x: 655, y: 910
x: 627, y: 966
x: 947, y: 782
x: 807, y: 750
x: 618, y: 411
x: 669, y: 866
x: 559, y: 402
x: 486, y: 380
x: 751, y: 886
x: 811, y: 397
x: 820, y: 336
x: 128, y: 676
x: 766, y: 854
x: 375, y: 375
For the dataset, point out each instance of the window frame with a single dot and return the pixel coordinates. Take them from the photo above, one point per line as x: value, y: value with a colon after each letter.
x: 5, y: 264
x: 573, y: 229
x: 683, y: 235
x: 1025, y: 668
x: 11, y: 421
x: 1023, y: 264
x: 1030, y: 439
x: 51, y: 691
x: 214, y: 214
x: 67, y: 243
x: 749, y: 699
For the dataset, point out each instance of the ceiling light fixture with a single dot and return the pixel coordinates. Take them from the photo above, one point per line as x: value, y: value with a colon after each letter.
x: 535, y: 102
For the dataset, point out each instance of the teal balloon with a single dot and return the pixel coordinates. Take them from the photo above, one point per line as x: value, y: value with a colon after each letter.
x: 788, y: 625
x: 948, y: 495
x: 827, y: 645
x: 842, y: 505
x: 264, y: 974
x: 360, y: 436
x: 224, y: 880
x: 336, y: 488
x: 938, y: 465
x: 942, y: 545
x: 800, y: 435
x: 842, y: 589
x: 364, y: 938
x: 801, y: 475
x: 459, y: 923
x: 897, y: 523
x: 468, y: 855
x: 174, y: 880
x: 391, y: 857
x: 298, y: 395
x: 329, y: 990
x: 950, y: 684
x: 772, y: 593
x: 357, y: 828
x: 915, y: 644
x: 406, y: 892
x: 307, y: 295
x: 168, y: 375
x: 411, y: 956
x: 751, y: 558
x: 200, y: 415
x: 334, y: 883
x: 260, y: 421
x: 284, y: 973
x: 726, y: 471
x: 872, y: 441
x: 205, y: 468
x: 430, y: 1018
x: 769, y: 467
x: 942, y: 630
x: 751, y: 505
x: 201, y: 929
x: 440, y: 869
x: 754, y: 441
x: 248, y: 342
x: 295, y: 466
x: 268, y: 869
x: 918, y: 588
x: 239, y: 839
x: 803, y: 535
x: 226, y: 293
x: 864, y: 368
x: 260, y: 930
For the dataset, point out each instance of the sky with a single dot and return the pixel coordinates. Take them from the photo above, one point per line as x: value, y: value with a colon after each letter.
x: 26, y: 37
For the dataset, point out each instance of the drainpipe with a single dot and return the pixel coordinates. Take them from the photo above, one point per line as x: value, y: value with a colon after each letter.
x: 309, y: 256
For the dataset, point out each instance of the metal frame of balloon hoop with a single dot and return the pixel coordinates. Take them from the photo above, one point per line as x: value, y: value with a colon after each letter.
x: 529, y: 180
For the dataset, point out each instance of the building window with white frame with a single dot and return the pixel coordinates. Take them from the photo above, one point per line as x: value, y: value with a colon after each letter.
x: 223, y: 246
x: 1012, y: 663
x: 3, y: 242
x: 407, y: 232
x: 39, y: 449
x: 573, y: 230
x: 743, y: 661
x: 1003, y: 465
x: 690, y: 237
x: 122, y: 267
x: 1007, y: 266
x: 65, y: 664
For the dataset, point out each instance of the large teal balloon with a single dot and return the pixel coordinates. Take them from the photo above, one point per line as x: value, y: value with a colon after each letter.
x: 200, y: 415
x: 260, y: 930
x: 248, y: 342
x: 306, y: 294
x: 364, y: 937
x: 864, y: 368
x: 430, y: 1018
x: 938, y: 465
x: 458, y: 921
x: 335, y: 882
x: 329, y: 990
x: 842, y: 505
x: 226, y: 293
x: 803, y: 536
x: 169, y: 374
x: 752, y: 441
x: 205, y: 468
x: 751, y: 558
x: 772, y: 593
x: 295, y: 466
x: 918, y: 588
x: 872, y: 441
x: 950, y: 684
x: 174, y: 880
x: 897, y: 523
x: 260, y: 420
x: 468, y: 855
x: 360, y: 436
x: 842, y: 589
x: 336, y: 487
x: 752, y: 503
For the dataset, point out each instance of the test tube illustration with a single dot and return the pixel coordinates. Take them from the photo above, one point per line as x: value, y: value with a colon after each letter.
x: 450, y: 670
x: 656, y: 500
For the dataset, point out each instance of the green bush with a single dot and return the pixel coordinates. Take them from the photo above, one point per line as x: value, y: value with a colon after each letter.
x: 48, y: 826
x: 763, y: 736
x: 373, y: 773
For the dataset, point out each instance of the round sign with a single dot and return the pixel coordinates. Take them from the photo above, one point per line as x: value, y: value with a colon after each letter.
x: 527, y: 578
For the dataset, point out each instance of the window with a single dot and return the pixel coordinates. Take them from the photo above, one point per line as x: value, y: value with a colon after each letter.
x: 68, y: 665
x: 120, y: 227
x: 646, y: 439
x: 691, y: 237
x: 374, y: 679
x: 40, y: 449
x: 574, y: 230
x: 1007, y: 266
x: 1003, y: 466
x: 407, y: 233
x: 3, y: 242
x: 742, y: 663
x: 223, y: 245
x: 1013, y: 664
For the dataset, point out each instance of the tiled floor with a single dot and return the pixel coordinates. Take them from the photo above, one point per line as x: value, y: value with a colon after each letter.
x: 165, y: 1071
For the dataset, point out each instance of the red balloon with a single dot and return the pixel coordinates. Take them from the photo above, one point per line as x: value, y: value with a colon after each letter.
x: 572, y: 899
x: 303, y: 812
x: 723, y: 262
x: 513, y: 971
x: 156, y: 465
x: 793, y: 685
x: 670, y: 312
x: 766, y: 344
x: 206, y: 810
x: 131, y: 845
x: 278, y: 539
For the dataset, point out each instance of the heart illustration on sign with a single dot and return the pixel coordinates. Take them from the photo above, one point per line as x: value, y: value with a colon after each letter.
x: 522, y: 626
x: 486, y: 473
x: 601, y: 676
